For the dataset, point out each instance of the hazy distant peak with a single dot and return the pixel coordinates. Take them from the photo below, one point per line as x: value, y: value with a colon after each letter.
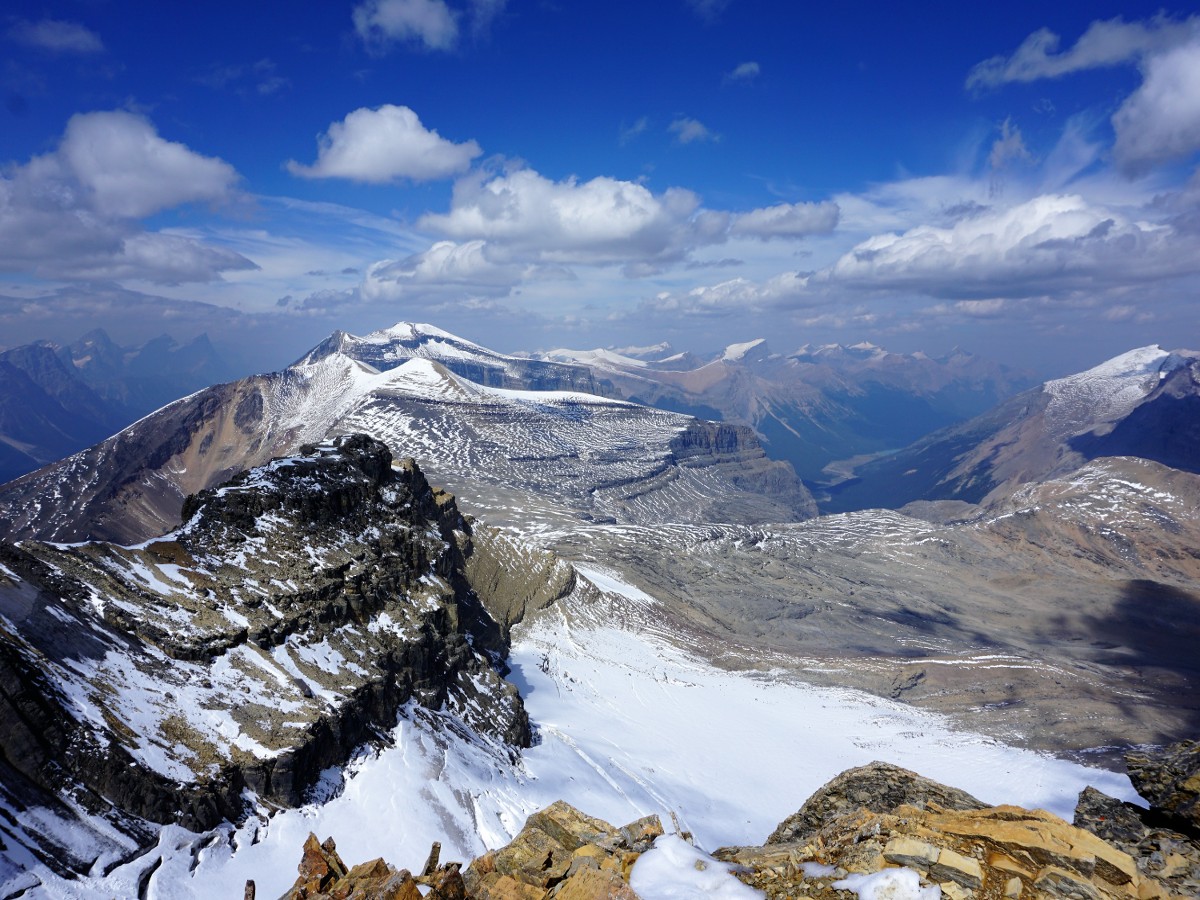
x: 599, y: 357
x: 756, y: 348
x: 659, y: 352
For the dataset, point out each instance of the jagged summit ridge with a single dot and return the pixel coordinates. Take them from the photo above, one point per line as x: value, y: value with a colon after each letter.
x: 296, y: 611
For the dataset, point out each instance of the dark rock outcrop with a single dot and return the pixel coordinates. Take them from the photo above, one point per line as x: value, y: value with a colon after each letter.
x: 303, y: 603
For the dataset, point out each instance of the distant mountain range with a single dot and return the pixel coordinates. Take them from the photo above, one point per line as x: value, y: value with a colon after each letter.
x: 813, y: 407
x: 1144, y: 403
x: 57, y: 399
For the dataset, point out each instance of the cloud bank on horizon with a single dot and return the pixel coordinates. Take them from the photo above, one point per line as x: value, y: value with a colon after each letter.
x: 1020, y: 188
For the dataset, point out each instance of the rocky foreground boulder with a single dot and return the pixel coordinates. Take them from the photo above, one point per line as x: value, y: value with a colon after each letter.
x: 878, y: 830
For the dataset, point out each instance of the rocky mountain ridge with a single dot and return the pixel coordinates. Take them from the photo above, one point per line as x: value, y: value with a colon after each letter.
x: 290, y: 618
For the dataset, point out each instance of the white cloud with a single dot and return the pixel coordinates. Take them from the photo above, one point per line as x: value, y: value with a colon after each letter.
x: 689, y: 131
x: 131, y: 172
x: 787, y: 220
x: 386, y: 144
x: 72, y: 213
x: 737, y: 295
x: 380, y: 23
x: 446, y: 265
x: 1160, y: 121
x: 1106, y: 43
x: 746, y: 71
x: 1047, y: 244
x: 524, y: 215
x: 57, y: 36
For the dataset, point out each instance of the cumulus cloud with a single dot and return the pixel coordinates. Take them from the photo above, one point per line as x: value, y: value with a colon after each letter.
x: 73, y: 213
x: 380, y: 23
x: 57, y: 36
x: 690, y: 131
x: 746, y: 71
x: 385, y: 144
x: 446, y: 265
x: 1108, y: 43
x: 1050, y: 243
x: 737, y: 295
x: 522, y: 214
x: 787, y: 220
x: 995, y: 262
x: 1160, y: 121
x: 130, y: 171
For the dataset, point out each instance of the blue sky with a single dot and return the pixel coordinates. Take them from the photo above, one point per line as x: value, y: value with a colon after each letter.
x: 1019, y: 180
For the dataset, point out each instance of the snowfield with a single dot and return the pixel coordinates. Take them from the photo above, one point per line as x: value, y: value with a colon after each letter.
x: 626, y: 725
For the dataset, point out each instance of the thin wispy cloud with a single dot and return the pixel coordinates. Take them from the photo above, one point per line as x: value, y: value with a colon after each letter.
x: 1105, y: 43
x: 691, y: 131
x: 743, y: 72
x: 629, y: 133
x: 57, y: 36
x: 708, y: 10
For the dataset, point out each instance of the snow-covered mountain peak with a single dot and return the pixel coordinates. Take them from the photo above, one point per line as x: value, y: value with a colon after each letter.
x: 412, y: 331
x: 756, y: 348
x: 391, y: 347
x: 1104, y: 393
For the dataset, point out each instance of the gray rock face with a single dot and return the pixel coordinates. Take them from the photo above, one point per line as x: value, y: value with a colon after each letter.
x: 1169, y: 779
x: 877, y: 787
x: 288, y: 621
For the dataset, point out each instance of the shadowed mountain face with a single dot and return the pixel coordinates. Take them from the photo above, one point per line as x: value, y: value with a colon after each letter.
x: 815, y: 406
x: 57, y: 400
x: 1143, y: 403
